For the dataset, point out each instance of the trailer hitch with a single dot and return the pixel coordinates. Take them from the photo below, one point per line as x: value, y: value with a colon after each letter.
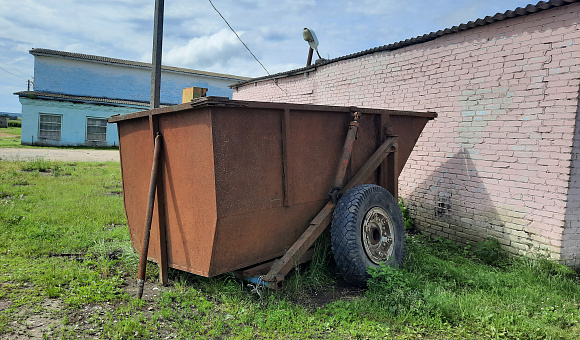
x: 352, y: 134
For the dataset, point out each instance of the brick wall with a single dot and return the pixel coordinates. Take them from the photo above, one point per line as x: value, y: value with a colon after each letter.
x: 496, y: 162
x: 571, y: 239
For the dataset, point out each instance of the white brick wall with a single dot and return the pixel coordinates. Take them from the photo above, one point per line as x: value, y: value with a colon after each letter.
x: 496, y: 162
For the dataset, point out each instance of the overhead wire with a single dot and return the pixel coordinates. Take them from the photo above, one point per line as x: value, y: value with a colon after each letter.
x: 13, y: 74
x: 240, y: 39
x: 246, y: 46
x: 10, y: 78
x: 16, y: 70
x: 13, y: 77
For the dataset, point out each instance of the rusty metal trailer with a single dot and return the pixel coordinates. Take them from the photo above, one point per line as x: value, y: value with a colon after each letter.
x: 248, y: 186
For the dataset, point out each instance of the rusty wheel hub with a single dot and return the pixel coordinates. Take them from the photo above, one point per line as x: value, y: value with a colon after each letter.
x: 377, y: 235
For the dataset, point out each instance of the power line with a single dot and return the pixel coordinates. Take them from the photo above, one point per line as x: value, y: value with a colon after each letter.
x: 24, y: 74
x: 8, y: 77
x: 13, y: 80
x: 246, y: 46
x: 14, y: 74
x: 212, y: 5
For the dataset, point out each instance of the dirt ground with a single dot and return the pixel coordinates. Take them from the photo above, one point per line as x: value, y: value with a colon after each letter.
x: 46, y: 321
x: 73, y: 155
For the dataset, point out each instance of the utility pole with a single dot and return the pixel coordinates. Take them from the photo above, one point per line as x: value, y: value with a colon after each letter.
x: 157, y: 48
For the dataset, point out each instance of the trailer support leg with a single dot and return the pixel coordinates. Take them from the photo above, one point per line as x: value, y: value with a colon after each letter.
x: 282, y: 266
x: 149, y: 216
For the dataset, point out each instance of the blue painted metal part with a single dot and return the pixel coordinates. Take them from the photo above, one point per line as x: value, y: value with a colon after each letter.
x: 258, y: 281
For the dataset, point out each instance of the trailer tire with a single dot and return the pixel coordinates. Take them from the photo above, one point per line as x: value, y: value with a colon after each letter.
x: 367, y: 230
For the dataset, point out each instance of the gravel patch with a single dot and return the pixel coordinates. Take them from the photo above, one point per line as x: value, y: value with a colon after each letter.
x: 74, y: 155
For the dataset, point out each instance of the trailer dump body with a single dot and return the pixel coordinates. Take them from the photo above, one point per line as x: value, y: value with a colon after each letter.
x: 240, y: 181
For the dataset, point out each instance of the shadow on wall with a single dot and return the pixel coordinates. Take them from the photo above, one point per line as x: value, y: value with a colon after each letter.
x: 571, y: 238
x: 454, y: 203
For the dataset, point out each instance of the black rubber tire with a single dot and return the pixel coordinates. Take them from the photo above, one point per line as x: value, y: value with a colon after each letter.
x: 347, y: 231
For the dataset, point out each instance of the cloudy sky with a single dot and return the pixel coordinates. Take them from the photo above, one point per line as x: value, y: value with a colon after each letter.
x: 196, y: 37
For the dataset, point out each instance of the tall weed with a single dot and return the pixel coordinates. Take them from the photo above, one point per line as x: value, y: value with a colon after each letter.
x: 409, y: 222
x: 490, y: 252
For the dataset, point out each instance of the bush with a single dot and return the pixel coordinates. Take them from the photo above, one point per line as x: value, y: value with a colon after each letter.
x: 14, y: 123
x: 491, y: 253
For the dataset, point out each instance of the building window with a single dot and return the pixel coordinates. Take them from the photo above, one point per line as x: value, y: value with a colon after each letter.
x: 96, y: 129
x: 49, y: 126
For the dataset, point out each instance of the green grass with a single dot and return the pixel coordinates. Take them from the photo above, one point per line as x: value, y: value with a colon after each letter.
x: 11, y: 141
x: 64, y: 243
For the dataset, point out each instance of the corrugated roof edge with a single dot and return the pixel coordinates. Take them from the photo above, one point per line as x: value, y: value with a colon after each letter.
x: 529, y: 9
x: 49, y: 52
x: 82, y: 99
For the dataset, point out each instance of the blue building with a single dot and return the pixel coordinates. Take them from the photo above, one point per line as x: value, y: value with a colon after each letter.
x: 74, y: 94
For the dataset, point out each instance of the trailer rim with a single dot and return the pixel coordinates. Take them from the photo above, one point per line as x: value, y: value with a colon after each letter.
x: 377, y: 235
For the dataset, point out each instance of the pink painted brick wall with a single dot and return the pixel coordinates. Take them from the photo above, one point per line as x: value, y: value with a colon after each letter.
x: 571, y: 239
x: 496, y: 162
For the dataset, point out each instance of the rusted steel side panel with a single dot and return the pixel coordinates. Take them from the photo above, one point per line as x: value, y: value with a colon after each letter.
x: 261, y: 155
x: 248, y: 159
x: 315, y: 145
x: 285, y: 174
x: 408, y: 129
x: 253, y: 225
x: 191, y: 206
x: 247, y: 239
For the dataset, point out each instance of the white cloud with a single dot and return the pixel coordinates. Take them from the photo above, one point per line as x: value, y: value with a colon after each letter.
x: 205, y: 51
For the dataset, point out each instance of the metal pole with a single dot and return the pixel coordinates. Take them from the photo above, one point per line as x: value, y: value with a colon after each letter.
x: 157, y: 48
x: 149, y: 215
x: 154, y: 126
x: 309, y: 60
